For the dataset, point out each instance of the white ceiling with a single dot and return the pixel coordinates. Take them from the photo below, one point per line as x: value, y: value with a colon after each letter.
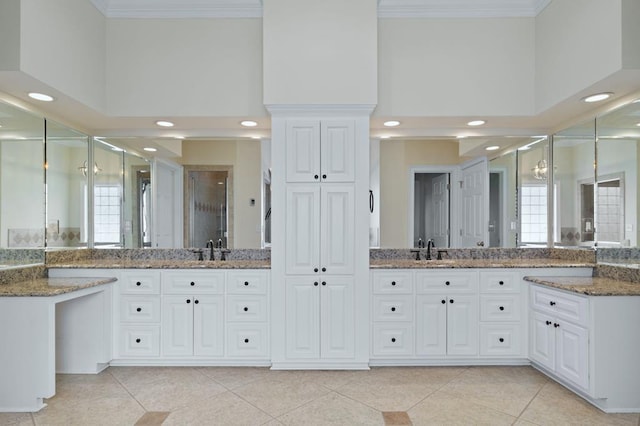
x: 253, y: 8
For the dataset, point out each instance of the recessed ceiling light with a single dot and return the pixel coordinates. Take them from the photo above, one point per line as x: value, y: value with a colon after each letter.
x: 115, y: 148
x: 636, y: 101
x: 461, y: 136
x: 391, y: 123
x: 149, y: 149
x: 164, y: 123
x: 248, y: 123
x: 40, y: 97
x: 636, y: 125
x: 385, y: 137
x: 597, y: 97
x: 524, y: 148
x: 255, y: 137
x: 492, y: 148
x: 476, y: 123
x: 179, y: 137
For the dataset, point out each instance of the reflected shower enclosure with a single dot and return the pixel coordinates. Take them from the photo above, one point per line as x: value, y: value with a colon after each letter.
x: 206, y: 204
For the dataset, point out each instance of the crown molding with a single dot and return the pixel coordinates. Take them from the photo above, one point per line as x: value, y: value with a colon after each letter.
x: 179, y: 9
x: 311, y: 110
x: 460, y: 8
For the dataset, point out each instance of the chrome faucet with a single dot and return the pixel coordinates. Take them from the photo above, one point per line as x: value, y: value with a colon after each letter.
x: 210, y: 246
x: 430, y: 245
x: 420, y: 243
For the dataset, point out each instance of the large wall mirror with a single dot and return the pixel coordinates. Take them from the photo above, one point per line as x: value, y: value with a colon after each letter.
x: 22, y: 189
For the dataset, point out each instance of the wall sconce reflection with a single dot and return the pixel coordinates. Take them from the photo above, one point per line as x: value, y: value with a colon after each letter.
x: 84, y: 168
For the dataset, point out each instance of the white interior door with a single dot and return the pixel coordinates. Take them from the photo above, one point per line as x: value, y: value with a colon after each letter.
x: 440, y: 210
x: 474, y: 203
x: 167, y: 213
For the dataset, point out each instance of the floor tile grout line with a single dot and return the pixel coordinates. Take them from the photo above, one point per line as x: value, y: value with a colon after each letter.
x: 529, y: 403
x: 464, y: 370
x: 127, y: 390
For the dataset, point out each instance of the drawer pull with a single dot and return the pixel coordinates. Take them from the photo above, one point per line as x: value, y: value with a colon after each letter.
x: 316, y: 176
x: 501, y: 340
x: 324, y: 269
x: 193, y: 283
x: 138, y: 283
x: 451, y: 301
x: 393, y: 309
x: 138, y: 309
x: 324, y: 283
x: 246, y: 283
x: 447, y: 283
x: 324, y: 176
x: 246, y: 340
x: 138, y: 340
x: 444, y: 301
x: 548, y: 322
x: 501, y: 283
x: 315, y: 269
x: 188, y: 300
x: 393, y: 283
x: 556, y: 325
x: 315, y: 283
x: 246, y: 309
x: 196, y: 301
x: 552, y: 303
x: 393, y: 340
x: 502, y: 308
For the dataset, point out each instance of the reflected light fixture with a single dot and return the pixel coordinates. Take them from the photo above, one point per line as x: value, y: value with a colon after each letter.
x: 40, y: 97
x: 597, y: 97
x: 248, y: 123
x: 149, y: 149
x: 391, y: 123
x: 492, y: 148
x: 164, y: 123
x: 85, y: 168
x: 540, y: 170
x: 476, y: 123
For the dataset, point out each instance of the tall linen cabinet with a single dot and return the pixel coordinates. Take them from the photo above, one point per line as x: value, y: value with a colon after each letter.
x: 320, y: 226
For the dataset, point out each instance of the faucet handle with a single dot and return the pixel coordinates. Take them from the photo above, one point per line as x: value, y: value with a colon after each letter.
x: 199, y: 253
x: 440, y: 254
x: 223, y: 254
x: 417, y: 252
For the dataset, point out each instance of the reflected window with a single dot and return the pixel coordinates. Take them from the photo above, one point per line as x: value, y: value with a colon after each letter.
x: 107, y: 214
x: 610, y: 218
x: 533, y: 213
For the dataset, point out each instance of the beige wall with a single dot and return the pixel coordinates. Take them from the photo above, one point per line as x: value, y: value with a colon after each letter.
x: 245, y: 158
x: 396, y: 159
x: 10, y: 40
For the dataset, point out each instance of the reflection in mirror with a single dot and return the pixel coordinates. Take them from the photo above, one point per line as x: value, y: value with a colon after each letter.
x: 503, y: 221
x: 617, y: 171
x: 22, y: 213
x: 137, y: 202
x: 573, y: 182
x: 107, y: 195
x: 67, y: 186
x: 532, y: 193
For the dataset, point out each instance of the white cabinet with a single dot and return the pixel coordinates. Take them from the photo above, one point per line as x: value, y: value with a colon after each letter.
x: 559, y: 337
x: 320, y: 317
x: 320, y: 151
x: 320, y: 229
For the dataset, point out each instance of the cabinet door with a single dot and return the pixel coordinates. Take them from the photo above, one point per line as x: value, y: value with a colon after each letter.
x: 302, y: 300
x: 302, y: 229
x: 543, y: 343
x: 303, y: 151
x: 431, y: 327
x: 337, y: 227
x: 337, y: 326
x: 572, y: 346
x: 177, y: 325
x: 462, y: 325
x: 338, y: 150
x: 208, y: 326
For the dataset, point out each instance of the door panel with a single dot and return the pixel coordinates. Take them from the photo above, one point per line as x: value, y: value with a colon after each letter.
x: 440, y: 210
x: 337, y: 246
x: 338, y: 151
x: 208, y: 329
x: 431, y: 327
x: 462, y: 325
x: 337, y: 327
x: 303, y: 151
x: 302, y: 229
x: 474, y: 203
x: 302, y: 302
x: 177, y: 325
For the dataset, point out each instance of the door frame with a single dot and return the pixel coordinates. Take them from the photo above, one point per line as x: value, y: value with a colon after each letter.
x: 453, y: 199
x: 504, y: 193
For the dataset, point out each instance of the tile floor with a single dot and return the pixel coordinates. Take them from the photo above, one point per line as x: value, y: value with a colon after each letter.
x: 259, y: 396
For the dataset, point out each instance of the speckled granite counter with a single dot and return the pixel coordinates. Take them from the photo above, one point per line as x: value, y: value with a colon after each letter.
x: 476, y: 263
x: 164, y: 264
x: 591, y: 286
x: 50, y: 286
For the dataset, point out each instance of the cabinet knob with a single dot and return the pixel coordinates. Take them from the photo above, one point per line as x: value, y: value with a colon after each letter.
x: 138, y: 340
x: 246, y: 283
x: 315, y: 269
x: 315, y: 283
x: 444, y: 301
x: 324, y: 176
x: 188, y: 300
x: 393, y: 340
x: 447, y: 283
x: 556, y: 325
x: 138, y: 283
x: 138, y: 309
x: 393, y: 283
x: 450, y: 300
x: 552, y: 303
x: 501, y: 340
x: 501, y: 283
x: 548, y: 322
x: 393, y: 309
x: 324, y: 269
x: 246, y: 340
x: 315, y: 176
x: 196, y: 301
x: 324, y: 283
x: 246, y: 309
x: 192, y: 283
x: 501, y: 308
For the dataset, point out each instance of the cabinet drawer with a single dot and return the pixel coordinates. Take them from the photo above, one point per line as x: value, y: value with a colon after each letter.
x: 392, y: 282
x: 500, y: 282
x: 245, y: 282
x: 247, y: 340
x: 392, y: 340
x: 566, y: 306
x: 500, y: 339
x: 500, y: 308
x: 140, y: 309
x: 246, y: 308
x: 141, y: 341
x: 393, y: 308
x: 147, y: 282
x: 190, y: 282
x: 451, y: 282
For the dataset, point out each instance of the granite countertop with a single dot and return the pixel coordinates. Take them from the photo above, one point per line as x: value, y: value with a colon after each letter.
x: 476, y: 263
x: 591, y: 286
x: 50, y: 286
x: 163, y: 264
